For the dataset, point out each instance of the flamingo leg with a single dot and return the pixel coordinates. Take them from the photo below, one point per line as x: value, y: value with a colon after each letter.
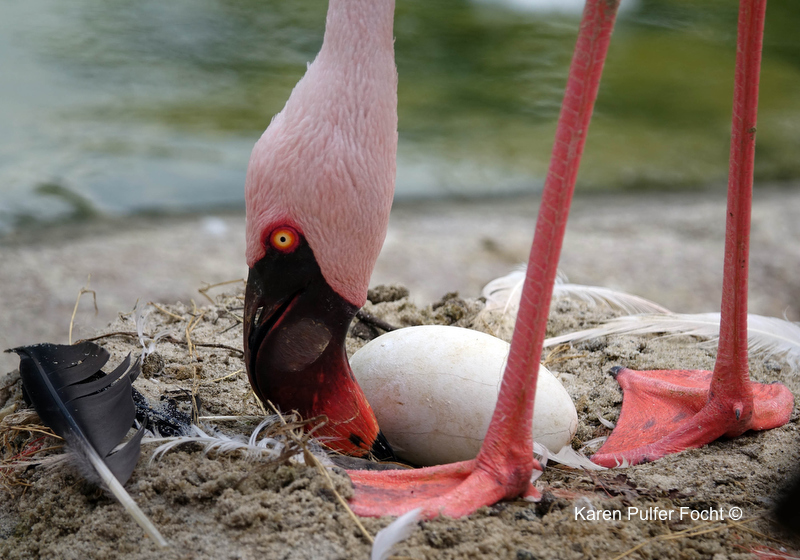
x: 505, y: 463
x: 668, y: 411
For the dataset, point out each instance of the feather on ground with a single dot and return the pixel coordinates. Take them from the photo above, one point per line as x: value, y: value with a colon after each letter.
x: 269, y: 448
x: 91, y: 410
x: 502, y: 296
x: 505, y: 292
x: 566, y: 456
x: 767, y: 337
x: 397, y: 531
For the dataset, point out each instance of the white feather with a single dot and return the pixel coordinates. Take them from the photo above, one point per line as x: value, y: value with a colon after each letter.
x: 265, y: 449
x: 596, y: 442
x: 505, y: 293
x: 607, y: 423
x: 543, y: 453
x: 398, y: 530
x: 567, y: 456
x: 622, y: 464
x: 767, y: 337
x: 140, y: 319
x: 595, y: 295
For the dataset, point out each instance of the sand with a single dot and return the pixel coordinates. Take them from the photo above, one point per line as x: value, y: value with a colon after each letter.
x: 226, y: 507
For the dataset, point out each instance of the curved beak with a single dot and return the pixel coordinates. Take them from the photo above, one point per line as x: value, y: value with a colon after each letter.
x: 294, y: 348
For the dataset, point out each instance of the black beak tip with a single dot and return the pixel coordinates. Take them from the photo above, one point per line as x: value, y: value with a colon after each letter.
x: 381, y: 449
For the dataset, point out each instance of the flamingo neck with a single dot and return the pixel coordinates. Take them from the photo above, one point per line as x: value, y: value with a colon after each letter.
x: 326, y: 164
x: 356, y: 31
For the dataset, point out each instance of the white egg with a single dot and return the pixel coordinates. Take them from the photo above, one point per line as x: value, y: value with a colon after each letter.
x: 434, y: 388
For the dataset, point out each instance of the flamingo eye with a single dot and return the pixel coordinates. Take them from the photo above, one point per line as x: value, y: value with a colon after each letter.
x: 285, y: 239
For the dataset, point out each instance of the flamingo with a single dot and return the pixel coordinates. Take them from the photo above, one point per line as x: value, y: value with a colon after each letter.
x: 318, y: 193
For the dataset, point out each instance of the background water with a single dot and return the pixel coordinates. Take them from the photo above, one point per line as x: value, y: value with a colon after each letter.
x: 113, y: 106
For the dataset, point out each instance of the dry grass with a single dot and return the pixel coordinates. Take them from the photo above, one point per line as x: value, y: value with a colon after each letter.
x: 22, y: 437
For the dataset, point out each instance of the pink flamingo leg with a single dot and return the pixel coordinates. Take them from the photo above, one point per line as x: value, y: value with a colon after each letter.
x: 505, y: 462
x: 668, y: 411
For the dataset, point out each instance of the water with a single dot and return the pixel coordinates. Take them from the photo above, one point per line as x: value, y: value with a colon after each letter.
x: 119, y: 107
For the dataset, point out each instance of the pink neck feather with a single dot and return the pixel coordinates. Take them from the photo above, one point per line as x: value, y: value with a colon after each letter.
x: 326, y: 163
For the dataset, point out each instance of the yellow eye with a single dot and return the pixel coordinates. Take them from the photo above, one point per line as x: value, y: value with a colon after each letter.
x: 284, y: 239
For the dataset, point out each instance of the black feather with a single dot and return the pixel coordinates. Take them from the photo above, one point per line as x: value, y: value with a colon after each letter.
x: 164, y: 419
x: 90, y: 409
